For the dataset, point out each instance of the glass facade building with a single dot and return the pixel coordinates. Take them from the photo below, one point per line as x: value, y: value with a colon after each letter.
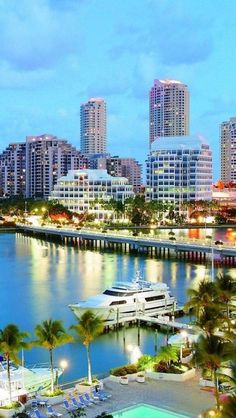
x: 178, y: 170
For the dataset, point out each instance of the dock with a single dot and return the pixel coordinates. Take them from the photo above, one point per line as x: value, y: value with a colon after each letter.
x: 165, y: 319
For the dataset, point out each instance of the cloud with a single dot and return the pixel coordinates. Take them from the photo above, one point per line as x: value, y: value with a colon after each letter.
x: 33, y: 36
x: 175, y: 35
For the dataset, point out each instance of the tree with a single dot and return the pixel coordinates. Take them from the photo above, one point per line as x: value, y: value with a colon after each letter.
x: 226, y: 290
x: 88, y: 328
x: 51, y: 334
x: 210, y: 318
x: 211, y: 352
x: 203, y: 296
x: 11, y: 342
x: 167, y: 354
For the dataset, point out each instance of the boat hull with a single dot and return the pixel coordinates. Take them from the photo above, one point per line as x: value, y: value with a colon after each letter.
x: 115, y: 314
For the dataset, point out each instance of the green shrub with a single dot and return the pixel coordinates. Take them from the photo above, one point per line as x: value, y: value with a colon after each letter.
x: 145, y: 362
x: 124, y: 370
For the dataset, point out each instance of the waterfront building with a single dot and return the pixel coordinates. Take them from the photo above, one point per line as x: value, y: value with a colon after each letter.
x: 225, y: 196
x: 47, y: 159
x: 13, y: 170
x: 81, y: 190
x: 118, y: 167
x: 228, y: 150
x: 126, y: 167
x: 93, y: 138
x: 179, y: 170
x: 168, y: 109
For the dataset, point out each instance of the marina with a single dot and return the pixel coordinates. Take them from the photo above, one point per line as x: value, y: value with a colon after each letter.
x: 41, y: 278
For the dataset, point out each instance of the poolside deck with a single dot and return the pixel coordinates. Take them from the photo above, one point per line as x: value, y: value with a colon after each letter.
x: 186, y: 398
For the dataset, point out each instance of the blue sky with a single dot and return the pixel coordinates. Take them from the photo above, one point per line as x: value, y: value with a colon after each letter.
x: 55, y: 54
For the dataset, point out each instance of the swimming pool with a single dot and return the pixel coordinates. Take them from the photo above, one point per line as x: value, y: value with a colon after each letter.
x: 146, y: 411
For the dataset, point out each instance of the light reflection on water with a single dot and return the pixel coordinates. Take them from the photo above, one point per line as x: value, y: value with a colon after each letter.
x: 39, y: 279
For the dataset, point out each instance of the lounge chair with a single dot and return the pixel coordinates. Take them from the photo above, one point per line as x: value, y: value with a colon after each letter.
x: 68, y: 407
x: 84, y: 401
x: 89, y: 399
x: 98, y: 395
x: 38, y: 415
x: 104, y: 393
x: 33, y: 403
x: 52, y: 413
x: 77, y: 404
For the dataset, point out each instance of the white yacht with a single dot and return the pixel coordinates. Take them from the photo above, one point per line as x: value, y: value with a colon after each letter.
x: 24, y: 380
x: 127, y: 300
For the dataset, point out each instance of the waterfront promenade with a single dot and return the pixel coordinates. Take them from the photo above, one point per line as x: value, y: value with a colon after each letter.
x: 196, y: 249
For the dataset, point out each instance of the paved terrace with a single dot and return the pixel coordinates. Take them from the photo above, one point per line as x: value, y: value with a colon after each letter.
x: 184, y: 398
x: 144, y: 241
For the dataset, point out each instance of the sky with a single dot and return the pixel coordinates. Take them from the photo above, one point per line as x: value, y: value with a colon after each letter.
x: 56, y: 54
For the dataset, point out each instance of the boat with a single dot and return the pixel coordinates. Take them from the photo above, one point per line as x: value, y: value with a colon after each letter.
x: 24, y: 380
x: 128, y: 299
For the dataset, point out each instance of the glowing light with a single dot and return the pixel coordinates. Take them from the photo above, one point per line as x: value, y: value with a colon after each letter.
x: 64, y: 364
x: 135, y: 354
x: 184, y: 334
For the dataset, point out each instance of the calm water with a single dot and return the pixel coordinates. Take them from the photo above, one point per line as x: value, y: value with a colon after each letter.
x: 38, y: 279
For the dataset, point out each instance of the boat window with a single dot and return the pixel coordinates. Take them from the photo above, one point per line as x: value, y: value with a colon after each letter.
x: 118, y: 302
x: 151, y: 298
x: 115, y: 293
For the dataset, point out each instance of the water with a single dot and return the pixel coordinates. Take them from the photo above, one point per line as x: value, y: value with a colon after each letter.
x: 146, y: 411
x: 38, y: 279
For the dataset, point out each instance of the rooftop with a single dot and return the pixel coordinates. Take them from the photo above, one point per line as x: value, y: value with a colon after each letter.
x: 92, y: 174
x: 178, y: 143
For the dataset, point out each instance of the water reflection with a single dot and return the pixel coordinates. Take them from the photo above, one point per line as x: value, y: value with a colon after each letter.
x: 39, y: 279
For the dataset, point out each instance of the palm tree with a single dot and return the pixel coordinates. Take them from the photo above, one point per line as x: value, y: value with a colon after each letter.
x: 211, y: 352
x: 203, y: 296
x: 167, y: 354
x: 88, y: 328
x: 228, y: 408
x: 210, y: 318
x: 51, y: 334
x: 11, y: 342
x: 226, y: 290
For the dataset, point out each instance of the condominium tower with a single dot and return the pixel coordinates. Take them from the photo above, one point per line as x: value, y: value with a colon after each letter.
x: 179, y: 170
x: 93, y: 126
x: 228, y: 150
x: 13, y: 170
x: 47, y: 159
x: 168, y: 109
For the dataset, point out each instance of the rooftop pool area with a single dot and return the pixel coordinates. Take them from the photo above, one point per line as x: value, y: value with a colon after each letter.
x: 146, y: 411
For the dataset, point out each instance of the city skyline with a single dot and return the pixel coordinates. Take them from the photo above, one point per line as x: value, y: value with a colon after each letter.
x: 55, y: 55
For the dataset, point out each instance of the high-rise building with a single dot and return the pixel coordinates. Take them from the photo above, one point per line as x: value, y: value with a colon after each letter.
x: 47, y: 159
x: 168, y: 109
x: 179, y: 170
x: 118, y: 167
x: 126, y: 167
x: 93, y: 137
x: 228, y: 150
x: 13, y: 170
